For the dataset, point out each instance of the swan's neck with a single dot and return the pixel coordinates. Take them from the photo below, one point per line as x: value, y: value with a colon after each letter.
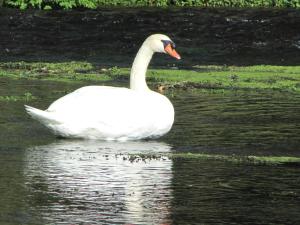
x: 139, y: 68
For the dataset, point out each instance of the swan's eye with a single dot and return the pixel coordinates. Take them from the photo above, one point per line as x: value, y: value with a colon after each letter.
x: 168, y: 42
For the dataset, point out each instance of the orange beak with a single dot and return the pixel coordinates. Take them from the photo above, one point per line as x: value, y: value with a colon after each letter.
x: 172, y: 52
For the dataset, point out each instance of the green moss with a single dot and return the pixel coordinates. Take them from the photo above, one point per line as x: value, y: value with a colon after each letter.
x: 71, y: 71
x: 274, y: 159
x: 251, y: 77
x: 26, y: 97
x: 271, y: 160
x: 283, y: 78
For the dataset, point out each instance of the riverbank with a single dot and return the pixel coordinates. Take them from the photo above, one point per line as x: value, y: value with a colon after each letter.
x: 260, y: 77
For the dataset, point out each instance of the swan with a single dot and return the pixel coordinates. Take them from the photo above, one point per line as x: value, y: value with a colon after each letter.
x: 114, y: 113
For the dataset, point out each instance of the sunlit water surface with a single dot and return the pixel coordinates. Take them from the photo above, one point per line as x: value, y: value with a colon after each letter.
x: 45, y: 180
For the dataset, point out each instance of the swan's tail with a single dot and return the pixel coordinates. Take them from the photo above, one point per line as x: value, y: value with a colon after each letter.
x: 43, y: 117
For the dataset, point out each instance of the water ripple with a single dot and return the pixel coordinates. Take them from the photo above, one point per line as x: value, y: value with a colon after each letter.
x: 85, y: 181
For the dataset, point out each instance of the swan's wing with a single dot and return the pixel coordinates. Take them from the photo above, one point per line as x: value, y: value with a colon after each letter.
x: 101, y: 104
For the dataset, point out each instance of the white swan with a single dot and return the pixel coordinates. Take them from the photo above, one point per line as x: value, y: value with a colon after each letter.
x: 111, y: 113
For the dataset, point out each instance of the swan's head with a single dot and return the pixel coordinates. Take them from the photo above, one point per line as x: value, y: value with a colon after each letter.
x: 162, y: 43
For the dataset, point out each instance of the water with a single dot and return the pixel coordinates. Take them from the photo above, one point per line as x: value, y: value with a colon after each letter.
x: 45, y: 180
x: 241, y: 122
x: 112, y: 36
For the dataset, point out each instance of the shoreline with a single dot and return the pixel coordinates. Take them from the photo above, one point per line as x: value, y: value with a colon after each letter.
x: 211, y: 77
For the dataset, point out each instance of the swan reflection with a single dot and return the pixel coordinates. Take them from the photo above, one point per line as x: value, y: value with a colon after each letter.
x: 92, y: 181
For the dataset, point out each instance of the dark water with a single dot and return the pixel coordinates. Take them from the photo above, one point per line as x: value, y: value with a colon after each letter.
x: 45, y: 180
x: 111, y: 37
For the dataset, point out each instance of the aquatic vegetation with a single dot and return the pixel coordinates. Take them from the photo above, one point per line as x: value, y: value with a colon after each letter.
x: 258, y: 77
x: 230, y: 77
x: 68, y: 71
x: 269, y: 160
x: 239, y: 3
x: 92, y: 4
x: 26, y: 97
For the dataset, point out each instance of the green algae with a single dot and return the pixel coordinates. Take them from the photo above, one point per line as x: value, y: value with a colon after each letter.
x: 13, y: 98
x: 269, y: 160
x: 258, y: 77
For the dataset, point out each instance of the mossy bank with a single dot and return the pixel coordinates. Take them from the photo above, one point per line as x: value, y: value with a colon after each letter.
x: 260, y: 77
